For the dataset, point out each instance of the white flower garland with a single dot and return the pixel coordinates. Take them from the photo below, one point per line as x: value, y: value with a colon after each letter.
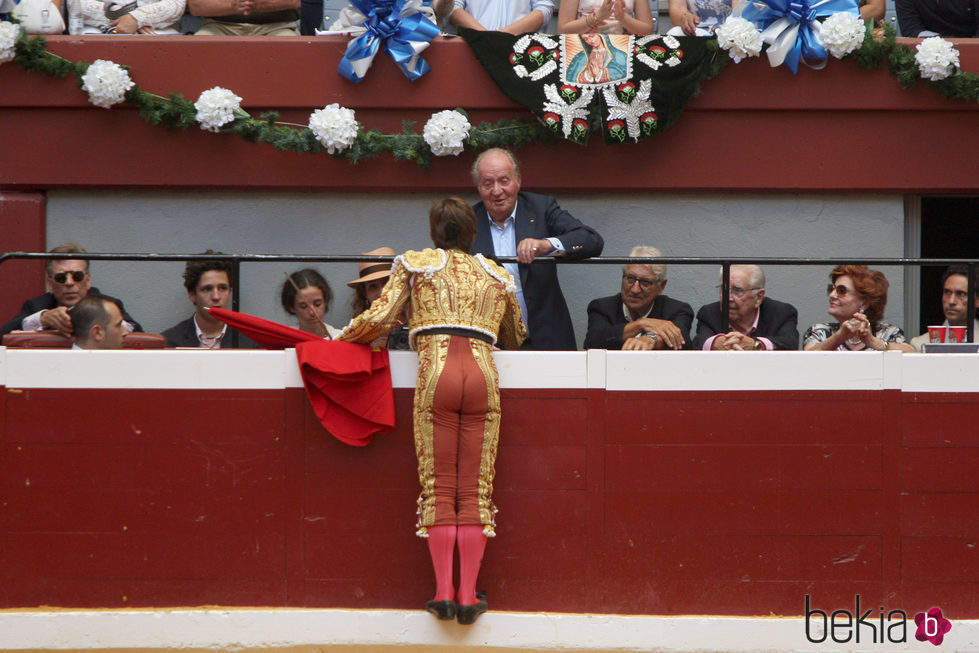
x: 9, y: 32
x: 740, y: 38
x: 841, y: 33
x: 936, y: 58
x: 216, y: 107
x: 335, y: 127
x: 445, y: 132
x: 106, y: 83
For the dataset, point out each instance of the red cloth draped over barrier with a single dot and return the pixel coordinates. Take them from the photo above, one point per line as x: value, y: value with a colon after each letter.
x: 348, y: 385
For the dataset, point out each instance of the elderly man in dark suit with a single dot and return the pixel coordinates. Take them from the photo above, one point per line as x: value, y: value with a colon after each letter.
x: 756, y: 322
x: 69, y: 281
x: 640, y: 317
x: 527, y: 225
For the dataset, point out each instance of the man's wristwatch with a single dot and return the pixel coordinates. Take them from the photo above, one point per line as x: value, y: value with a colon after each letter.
x: 649, y: 334
x: 758, y: 345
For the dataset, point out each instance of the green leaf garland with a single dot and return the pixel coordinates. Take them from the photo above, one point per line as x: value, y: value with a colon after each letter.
x: 177, y: 112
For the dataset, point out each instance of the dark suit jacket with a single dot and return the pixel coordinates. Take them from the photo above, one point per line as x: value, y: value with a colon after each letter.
x: 539, y: 216
x: 46, y: 302
x: 778, y: 322
x: 606, y: 320
x: 183, y: 334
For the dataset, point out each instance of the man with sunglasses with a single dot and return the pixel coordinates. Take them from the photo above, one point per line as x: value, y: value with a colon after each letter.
x: 755, y: 322
x: 640, y: 317
x: 68, y: 282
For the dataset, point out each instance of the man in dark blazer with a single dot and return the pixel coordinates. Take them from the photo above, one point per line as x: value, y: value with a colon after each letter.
x: 208, y: 285
x: 756, y: 322
x: 68, y: 281
x: 527, y: 225
x: 640, y: 317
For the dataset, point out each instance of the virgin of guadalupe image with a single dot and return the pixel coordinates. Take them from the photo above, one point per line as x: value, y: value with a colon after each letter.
x: 594, y: 59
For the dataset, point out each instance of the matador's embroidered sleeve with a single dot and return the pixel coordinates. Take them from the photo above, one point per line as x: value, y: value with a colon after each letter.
x: 383, y: 314
x: 512, y: 329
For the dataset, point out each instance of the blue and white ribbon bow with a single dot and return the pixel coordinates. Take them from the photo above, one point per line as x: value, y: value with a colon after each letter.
x: 789, y: 28
x: 404, y: 27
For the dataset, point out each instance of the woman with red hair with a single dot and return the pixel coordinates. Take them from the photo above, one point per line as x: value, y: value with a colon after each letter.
x: 857, y: 297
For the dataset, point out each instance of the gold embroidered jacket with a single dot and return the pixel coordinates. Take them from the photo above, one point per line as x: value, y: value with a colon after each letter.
x: 447, y: 288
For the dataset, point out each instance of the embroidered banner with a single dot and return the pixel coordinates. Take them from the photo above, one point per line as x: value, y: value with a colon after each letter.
x: 633, y: 86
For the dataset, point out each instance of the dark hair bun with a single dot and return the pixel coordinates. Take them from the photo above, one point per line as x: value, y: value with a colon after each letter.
x: 451, y: 231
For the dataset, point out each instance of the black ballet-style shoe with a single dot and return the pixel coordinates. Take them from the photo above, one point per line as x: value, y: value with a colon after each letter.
x: 467, y: 614
x: 443, y: 610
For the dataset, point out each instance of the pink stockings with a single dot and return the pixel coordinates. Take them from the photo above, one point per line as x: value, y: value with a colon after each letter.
x: 441, y: 545
x: 460, y: 407
x: 442, y: 542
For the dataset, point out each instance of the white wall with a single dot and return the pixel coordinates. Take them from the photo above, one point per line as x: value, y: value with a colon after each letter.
x: 868, y: 226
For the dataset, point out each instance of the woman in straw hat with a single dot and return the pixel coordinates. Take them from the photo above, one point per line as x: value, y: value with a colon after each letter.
x: 367, y: 287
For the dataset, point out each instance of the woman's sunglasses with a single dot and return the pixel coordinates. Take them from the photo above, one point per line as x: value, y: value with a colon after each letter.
x: 841, y: 290
x: 61, y: 277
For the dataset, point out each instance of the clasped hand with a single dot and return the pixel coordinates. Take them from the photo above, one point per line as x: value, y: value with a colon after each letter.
x: 57, y: 319
x: 733, y: 341
x: 666, y: 332
x: 607, y: 9
x: 857, y: 327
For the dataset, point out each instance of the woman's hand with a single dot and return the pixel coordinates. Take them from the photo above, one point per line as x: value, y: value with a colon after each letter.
x: 125, y: 25
x: 600, y: 15
x: 618, y: 10
x: 858, y: 328
x: 244, y: 7
x: 688, y: 23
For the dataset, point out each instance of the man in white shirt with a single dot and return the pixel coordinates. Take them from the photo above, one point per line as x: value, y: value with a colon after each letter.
x: 97, y: 323
x: 513, y: 16
x: 955, y: 300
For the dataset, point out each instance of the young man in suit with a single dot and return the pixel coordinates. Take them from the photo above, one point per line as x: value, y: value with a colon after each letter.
x: 208, y: 284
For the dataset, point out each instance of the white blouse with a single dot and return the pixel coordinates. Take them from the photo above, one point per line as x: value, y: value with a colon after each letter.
x: 611, y: 26
x: 162, y: 15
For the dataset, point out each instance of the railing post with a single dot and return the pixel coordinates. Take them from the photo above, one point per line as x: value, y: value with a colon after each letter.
x: 970, y: 311
x: 235, y: 287
x: 725, y: 294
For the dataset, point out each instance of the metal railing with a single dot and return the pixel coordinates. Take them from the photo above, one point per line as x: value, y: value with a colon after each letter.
x: 725, y: 262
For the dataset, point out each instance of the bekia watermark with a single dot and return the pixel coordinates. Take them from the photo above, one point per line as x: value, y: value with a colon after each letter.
x: 863, y: 626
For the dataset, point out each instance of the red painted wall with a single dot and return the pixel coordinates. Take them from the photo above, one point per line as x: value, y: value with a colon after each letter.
x: 22, y: 216
x: 735, y: 503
